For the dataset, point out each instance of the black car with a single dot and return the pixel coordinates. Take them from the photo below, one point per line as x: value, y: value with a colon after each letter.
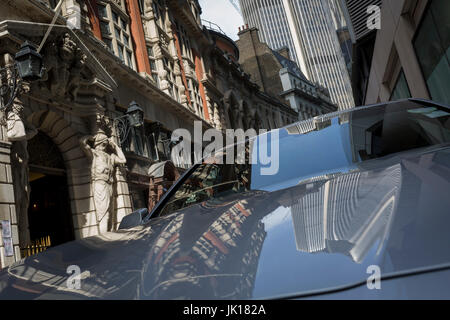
x: 358, y: 208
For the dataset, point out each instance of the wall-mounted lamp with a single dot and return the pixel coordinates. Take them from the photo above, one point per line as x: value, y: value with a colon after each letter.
x: 28, y: 67
x: 133, y: 118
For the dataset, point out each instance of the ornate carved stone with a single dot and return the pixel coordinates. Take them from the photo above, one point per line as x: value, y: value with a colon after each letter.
x: 168, y: 24
x: 164, y: 41
x: 176, y: 66
x: 164, y: 84
x: 216, y: 117
x: 157, y: 50
x: 105, y: 155
x: 17, y: 129
x: 65, y: 68
x: 182, y: 94
x: 187, y: 68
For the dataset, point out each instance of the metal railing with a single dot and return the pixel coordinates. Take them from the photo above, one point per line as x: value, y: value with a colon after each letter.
x: 35, y: 247
x: 212, y: 26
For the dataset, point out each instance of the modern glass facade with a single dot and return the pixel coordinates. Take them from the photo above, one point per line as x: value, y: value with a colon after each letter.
x: 401, y: 89
x: 343, y: 32
x: 432, y: 46
x: 308, y: 29
x: 323, y: 58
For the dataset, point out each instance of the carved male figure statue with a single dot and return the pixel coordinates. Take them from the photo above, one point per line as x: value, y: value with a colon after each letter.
x: 64, y: 63
x: 105, y: 155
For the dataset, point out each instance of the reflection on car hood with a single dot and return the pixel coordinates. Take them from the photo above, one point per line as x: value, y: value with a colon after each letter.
x: 319, y: 234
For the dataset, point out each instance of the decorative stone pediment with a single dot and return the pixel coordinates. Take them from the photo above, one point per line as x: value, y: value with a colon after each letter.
x: 65, y: 68
x: 74, y: 78
x: 71, y: 75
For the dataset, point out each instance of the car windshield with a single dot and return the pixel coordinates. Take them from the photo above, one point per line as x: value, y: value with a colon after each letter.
x: 314, y: 149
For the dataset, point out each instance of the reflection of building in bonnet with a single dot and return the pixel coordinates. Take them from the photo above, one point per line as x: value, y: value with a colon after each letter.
x: 201, y: 251
x: 347, y: 213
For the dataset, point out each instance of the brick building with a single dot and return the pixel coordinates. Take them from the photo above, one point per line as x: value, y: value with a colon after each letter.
x: 154, y: 52
x: 279, y: 76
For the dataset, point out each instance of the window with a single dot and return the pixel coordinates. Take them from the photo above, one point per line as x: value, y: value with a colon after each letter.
x: 123, y: 24
x: 151, y: 57
x: 139, y: 196
x: 139, y: 142
x: 102, y: 12
x: 159, y: 13
x: 104, y: 27
x: 120, y: 51
x: 129, y: 58
x: 116, y: 33
x: 155, y: 78
x: 141, y: 6
x: 196, y: 98
x: 126, y: 40
x: 115, y: 17
x: 152, y: 65
x: 109, y: 44
x: 401, y: 89
x: 432, y: 46
x: 53, y: 4
x: 185, y: 44
x: 169, y: 66
x: 136, y: 142
x: 155, y: 10
x: 152, y: 142
x: 210, y: 182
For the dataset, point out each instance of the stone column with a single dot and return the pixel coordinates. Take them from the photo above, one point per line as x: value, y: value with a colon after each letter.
x: 180, y: 59
x: 7, y: 201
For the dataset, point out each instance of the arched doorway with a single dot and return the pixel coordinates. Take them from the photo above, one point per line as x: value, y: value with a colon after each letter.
x: 49, y: 213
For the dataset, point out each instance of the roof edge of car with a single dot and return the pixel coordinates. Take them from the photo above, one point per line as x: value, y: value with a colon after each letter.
x: 341, y: 112
x: 328, y: 116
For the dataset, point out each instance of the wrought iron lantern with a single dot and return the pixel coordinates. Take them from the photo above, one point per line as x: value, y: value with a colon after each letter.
x: 28, y: 67
x: 135, y: 115
x: 165, y: 144
x: 29, y: 63
x: 133, y: 118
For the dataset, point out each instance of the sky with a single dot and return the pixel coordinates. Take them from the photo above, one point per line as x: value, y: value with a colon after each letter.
x: 223, y: 14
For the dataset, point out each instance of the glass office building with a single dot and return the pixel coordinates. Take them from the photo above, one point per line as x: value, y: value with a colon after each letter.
x: 307, y: 28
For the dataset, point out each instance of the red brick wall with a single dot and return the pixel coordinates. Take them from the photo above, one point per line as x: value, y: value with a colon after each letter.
x: 137, y: 34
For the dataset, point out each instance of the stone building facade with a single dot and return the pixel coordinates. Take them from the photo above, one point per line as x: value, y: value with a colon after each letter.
x: 307, y: 28
x: 279, y: 76
x: 63, y: 171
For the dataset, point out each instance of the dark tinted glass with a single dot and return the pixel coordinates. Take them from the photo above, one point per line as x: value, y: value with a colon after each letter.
x: 401, y: 89
x: 432, y: 46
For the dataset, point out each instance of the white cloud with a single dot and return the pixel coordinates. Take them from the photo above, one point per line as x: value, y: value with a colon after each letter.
x: 222, y: 13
